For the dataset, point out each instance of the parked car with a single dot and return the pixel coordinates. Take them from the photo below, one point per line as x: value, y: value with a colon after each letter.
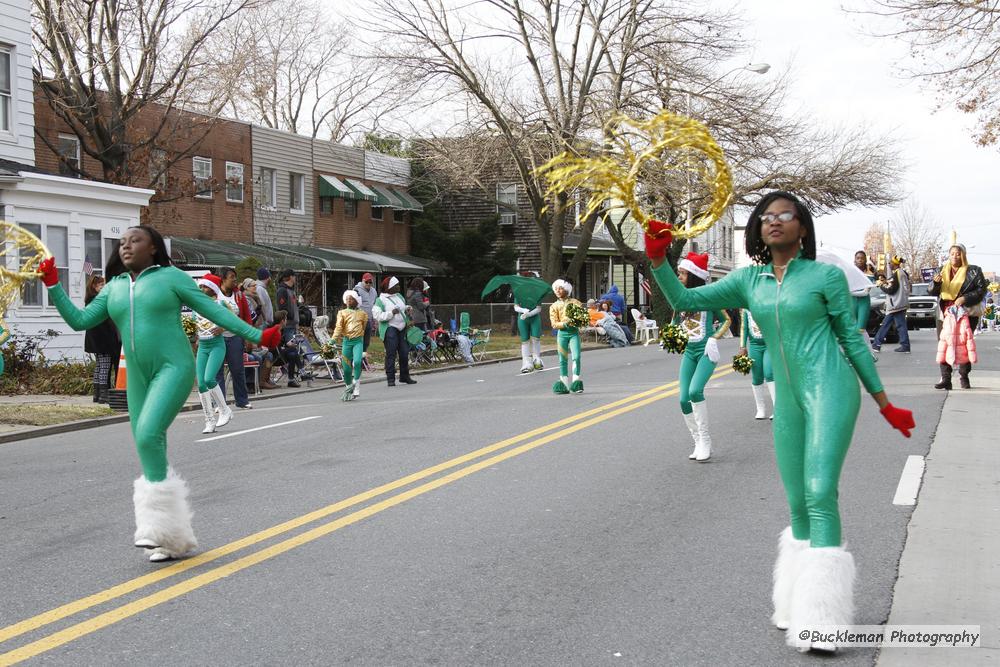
x: 876, y: 314
x: 923, y: 306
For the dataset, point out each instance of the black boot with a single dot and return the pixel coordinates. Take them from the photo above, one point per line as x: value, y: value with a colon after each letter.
x: 102, y: 394
x: 963, y: 376
x: 97, y: 394
x: 945, y: 382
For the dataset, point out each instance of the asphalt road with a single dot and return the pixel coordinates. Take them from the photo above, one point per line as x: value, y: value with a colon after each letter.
x: 594, y: 541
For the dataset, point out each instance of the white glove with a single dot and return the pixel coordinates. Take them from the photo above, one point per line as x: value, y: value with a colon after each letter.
x: 712, y: 350
x: 524, y: 316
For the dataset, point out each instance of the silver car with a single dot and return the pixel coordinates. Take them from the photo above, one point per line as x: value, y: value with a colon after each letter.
x: 922, y: 309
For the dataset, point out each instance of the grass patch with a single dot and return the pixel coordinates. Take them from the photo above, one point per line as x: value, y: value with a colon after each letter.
x: 48, y: 414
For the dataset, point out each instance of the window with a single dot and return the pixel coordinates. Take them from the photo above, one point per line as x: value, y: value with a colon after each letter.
x: 296, y: 193
x: 507, y: 203
x: 350, y: 208
x: 234, y: 182
x: 57, y: 239
x: 268, y: 188
x: 158, y: 168
x: 326, y: 205
x: 202, y: 167
x: 398, y: 215
x: 69, y: 155
x: 6, y: 104
x: 111, y: 247
x: 377, y: 213
x: 93, y: 251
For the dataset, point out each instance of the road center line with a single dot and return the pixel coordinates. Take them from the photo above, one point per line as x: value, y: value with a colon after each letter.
x: 132, y: 608
x: 259, y: 428
x: 124, y: 588
x: 909, y: 481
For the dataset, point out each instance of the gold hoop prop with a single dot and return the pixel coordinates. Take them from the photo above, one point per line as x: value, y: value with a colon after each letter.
x: 665, y: 137
x: 20, y: 254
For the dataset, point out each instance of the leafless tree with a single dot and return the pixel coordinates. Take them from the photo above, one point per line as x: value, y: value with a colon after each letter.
x: 954, y: 47
x: 916, y: 237
x: 116, y: 73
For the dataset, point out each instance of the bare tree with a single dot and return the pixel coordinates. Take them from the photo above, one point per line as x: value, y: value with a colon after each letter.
x: 116, y: 72
x: 954, y: 47
x: 916, y: 237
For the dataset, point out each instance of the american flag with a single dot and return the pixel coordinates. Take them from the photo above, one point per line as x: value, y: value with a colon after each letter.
x: 88, y: 268
x: 646, y: 287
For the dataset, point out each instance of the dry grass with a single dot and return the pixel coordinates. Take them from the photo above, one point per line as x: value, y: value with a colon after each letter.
x: 48, y: 414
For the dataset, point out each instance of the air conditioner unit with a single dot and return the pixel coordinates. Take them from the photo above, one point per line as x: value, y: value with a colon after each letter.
x: 508, y: 218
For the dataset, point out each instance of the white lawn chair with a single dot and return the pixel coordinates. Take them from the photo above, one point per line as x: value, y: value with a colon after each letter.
x: 321, y: 330
x: 645, y: 329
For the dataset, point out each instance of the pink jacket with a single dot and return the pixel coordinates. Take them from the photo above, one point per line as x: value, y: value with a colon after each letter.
x: 957, y: 343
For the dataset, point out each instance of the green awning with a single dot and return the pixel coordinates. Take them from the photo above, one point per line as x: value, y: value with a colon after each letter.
x: 331, y: 186
x: 332, y: 259
x: 361, y: 190
x: 409, y: 203
x: 188, y: 252
x: 386, y: 198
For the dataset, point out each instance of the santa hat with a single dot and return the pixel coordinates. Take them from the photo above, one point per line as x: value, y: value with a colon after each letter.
x: 695, y: 264
x: 389, y: 282
x: 564, y: 284
x: 211, y: 281
x: 351, y: 293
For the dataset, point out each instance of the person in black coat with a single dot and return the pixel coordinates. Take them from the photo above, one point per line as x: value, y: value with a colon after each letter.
x: 103, y: 342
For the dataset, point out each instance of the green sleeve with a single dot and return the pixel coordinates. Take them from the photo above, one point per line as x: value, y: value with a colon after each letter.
x: 80, y: 319
x: 722, y: 317
x: 192, y: 297
x: 726, y: 293
x: 842, y: 318
x: 744, y: 326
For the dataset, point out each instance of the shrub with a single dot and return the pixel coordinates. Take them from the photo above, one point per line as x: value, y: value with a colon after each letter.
x: 27, y: 371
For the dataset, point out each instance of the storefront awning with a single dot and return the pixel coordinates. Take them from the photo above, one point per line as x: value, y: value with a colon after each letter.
x: 386, y: 199
x: 409, y: 203
x: 361, y: 190
x: 333, y: 260
x: 331, y: 186
x: 188, y: 252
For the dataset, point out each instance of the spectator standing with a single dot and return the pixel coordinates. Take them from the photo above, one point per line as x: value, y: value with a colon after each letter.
x: 391, y: 313
x: 958, y: 284
x: 897, y: 290
x: 234, y: 299
x: 287, y: 300
x: 263, y: 282
x: 366, y: 297
x: 103, y: 342
x: 418, y: 303
x: 861, y: 261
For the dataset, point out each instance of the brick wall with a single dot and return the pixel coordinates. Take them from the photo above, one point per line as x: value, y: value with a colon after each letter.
x: 336, y: 230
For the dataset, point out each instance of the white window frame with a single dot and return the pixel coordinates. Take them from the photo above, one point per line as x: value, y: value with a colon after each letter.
x: 296, y: 188
x: 61, y: 266
x: 99, y: 265
x: 200, y: 193
x: 268, y: 186
x: 507, y: 210
x: 234, y: 166
x: 7, y: 97
x: 76, y: 140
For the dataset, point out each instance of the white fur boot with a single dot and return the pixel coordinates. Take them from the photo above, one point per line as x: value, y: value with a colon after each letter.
x: 823, y: 595
x: 770, y: 389
x: 692, y: 425
x: 536, y: 354
x: 703, y: 450
x: 526, y: 365
x: 163, y: 517
x: 759, y: 393
x: 786, y: 571
x: 357, y: 388
x: 209, y: 412
x: 225, y: 413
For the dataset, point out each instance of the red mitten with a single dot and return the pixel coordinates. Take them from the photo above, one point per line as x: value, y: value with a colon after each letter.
x: 50, y: 274
x: 658, y: 239
x: 271, y: 336
x: 899, y: 418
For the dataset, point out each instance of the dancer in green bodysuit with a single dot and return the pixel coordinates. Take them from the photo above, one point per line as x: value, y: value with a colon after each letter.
x: 701, y: 354
x: 143, y: 297
x: 805, y: 311
x: 752, y: 344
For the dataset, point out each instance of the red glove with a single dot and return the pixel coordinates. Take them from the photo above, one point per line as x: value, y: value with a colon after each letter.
x: 899, y: 418
x: 50, y: 274
x: 271, y: 336
x: 658, y: 239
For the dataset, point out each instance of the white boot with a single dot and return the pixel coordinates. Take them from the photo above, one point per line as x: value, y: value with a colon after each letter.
x: 692, y: 425
x: 357, y: 388
x: 536, y: 354
x: 786, y: 571
x: 225, y: 413
x: 759, y: 392
x: 770, y: 389
x: 526, y: 365
x: 206, y: 408
x: 163, y: 517
x: 823, y: 595
x: 703, y: 450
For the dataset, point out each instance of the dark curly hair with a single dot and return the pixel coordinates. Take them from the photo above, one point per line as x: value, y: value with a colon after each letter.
x: 755, y: 247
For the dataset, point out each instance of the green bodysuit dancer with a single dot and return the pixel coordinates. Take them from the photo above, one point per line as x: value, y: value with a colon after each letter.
x: 567, y: 340
x: 701, y: 354
x: 752, y: 344
x: 806, y: 314
x: 144, y: 301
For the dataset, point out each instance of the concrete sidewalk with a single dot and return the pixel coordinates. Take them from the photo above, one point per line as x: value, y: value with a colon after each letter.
x: 949, y: 573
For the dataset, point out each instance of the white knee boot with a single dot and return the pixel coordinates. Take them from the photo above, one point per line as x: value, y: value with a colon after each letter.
x: 759, y: 397
x: 703, y: 450
x: 692, y: 425
x: 823, y: 595
x: 526, y: 365
x: 163, y: 517
x: 786, y: 572
x: 770, y: 389
x: 225, y: 413
x: 208, y: 411
x: 536, y: 354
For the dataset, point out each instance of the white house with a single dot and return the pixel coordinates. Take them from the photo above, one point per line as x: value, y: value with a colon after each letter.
x: 79, y: 221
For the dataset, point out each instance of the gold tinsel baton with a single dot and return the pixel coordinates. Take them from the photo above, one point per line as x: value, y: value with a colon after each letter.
x: 664, y: 141
x: 20, y: 255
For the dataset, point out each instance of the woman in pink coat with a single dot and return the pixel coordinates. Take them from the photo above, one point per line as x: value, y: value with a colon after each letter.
x: 957, y: 346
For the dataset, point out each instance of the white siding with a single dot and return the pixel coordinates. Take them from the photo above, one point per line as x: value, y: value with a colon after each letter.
x: 338, y: 160
x: 286, y: 153
x: 387, y: 169
x: 15, y: 33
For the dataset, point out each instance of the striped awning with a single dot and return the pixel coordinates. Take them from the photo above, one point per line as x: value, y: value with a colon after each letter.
x: 361, y: 190
x: 331, y: 186
x: 409, y: 203
x: 386, y: 198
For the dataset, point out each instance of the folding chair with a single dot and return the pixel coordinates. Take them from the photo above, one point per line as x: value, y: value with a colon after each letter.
x: 312, y: 359
x: 479, y: 338
x: 645, y: 329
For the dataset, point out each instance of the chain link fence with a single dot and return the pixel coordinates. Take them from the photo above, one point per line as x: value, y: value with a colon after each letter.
x: 496, y: 316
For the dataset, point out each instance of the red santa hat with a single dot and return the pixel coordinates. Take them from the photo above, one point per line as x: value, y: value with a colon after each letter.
x: 695, y: 264
x: 211, y: 281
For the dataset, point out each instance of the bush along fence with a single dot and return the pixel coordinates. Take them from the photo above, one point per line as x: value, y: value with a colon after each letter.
x: 28, y: 371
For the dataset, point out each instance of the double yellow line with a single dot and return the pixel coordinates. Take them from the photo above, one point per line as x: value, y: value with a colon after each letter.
x: 535, y: 438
